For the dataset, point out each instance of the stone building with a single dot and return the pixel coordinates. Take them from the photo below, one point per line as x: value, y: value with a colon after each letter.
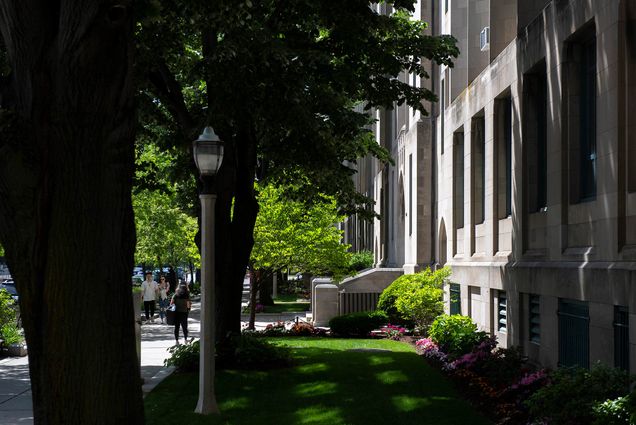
x: 523, y: 178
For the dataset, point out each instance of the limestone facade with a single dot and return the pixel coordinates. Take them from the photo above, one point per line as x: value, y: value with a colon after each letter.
x: 523, y: 178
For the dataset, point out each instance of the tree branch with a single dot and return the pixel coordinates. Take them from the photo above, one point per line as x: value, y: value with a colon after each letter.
x: 169, y: 92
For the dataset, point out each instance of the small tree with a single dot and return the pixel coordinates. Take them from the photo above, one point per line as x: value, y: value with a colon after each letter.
x: 292, y: 234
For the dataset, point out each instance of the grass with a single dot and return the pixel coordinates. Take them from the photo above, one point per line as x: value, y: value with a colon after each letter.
x: 329, y: 384
x: 287, y: 303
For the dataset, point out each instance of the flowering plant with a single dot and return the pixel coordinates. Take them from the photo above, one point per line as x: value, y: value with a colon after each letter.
x: 427, y: 348
x: 393, y: 331
x: 275, y: 329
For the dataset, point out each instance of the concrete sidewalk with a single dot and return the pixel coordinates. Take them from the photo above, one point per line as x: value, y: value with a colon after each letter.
x: 15, y: 386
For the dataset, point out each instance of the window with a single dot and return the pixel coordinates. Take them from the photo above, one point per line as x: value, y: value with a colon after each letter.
x: 535, y: 92
x: 534, y: 318
x: 504, y: 156
x: 446, y: 6
x: 621, y: 337
x: 507, y: 146
x: 478, y: 169
x: 574, y: 333
x: 587, y: 122
x: 455, y: 299
x: 580, y: 88
x: 458, y: 178
x: 502, y: 312
x: 442, y: 115
x: 391, y: 206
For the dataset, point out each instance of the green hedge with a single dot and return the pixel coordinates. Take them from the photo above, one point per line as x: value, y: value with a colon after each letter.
x: 358, y: 324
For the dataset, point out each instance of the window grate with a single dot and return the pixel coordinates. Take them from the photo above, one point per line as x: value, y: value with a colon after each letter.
x: 621, y: 337
x: 455, y: 299
x: 534, y: 319
x: 574, y: 333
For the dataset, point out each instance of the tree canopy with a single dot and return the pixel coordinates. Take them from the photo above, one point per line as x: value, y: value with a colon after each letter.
x: 288, y: 86
x: 288, y: 234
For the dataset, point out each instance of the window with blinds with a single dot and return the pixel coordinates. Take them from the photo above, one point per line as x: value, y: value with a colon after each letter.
x: 502, y: 312
x: 534, y: 319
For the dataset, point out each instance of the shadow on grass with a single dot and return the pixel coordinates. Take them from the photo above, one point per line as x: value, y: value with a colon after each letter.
x: 328, y: 385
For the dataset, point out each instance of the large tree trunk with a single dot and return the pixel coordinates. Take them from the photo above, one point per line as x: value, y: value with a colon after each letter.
x: 235, y: 228
x: 66, y: 163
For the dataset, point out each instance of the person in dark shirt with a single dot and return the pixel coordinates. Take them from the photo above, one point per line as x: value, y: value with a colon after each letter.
x: 181, y: 300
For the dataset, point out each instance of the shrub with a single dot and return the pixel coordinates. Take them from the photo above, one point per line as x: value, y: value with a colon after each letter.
x: 616, y: 412
x: 7, y: 308
x: 305, y: 329
x: 572, y: 394
x: 421, y: 304
x: 275, y: 329
x: 247, y: 352
x: 415, y: 298
x: 357, y: 324
x: 184, y: 357
x: 361, y: 260
x: 11, y: 334
x: 456, y: 335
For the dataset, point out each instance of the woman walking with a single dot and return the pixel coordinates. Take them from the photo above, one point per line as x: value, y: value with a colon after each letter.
x: 163, y: 297
x: 181, y: 300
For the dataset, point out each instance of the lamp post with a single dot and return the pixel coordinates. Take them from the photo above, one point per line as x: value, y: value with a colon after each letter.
x: 208, y: 155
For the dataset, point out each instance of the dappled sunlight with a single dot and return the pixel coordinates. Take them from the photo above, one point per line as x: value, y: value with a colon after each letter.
x: 319, y: 415
x: 406, y: 403
x: 312, y: 389
x: 334, y: 382
x: 312, y: 368
x: 380, y: 360
x: 392, y: 377
x: 235, y: 404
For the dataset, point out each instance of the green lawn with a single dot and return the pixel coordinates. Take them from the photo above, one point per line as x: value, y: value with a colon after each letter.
x: 287, y: 304
x: 330, y: 384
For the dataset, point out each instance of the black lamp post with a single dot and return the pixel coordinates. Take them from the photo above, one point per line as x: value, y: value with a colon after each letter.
x: 208, y: 156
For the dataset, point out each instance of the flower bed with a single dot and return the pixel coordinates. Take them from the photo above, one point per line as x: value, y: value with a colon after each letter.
x: 504, y: 387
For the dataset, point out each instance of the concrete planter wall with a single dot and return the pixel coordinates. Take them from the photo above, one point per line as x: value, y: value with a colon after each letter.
x: 17, y: 350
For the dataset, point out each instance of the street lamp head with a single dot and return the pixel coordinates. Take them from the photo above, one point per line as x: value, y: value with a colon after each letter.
x: 208, y: 152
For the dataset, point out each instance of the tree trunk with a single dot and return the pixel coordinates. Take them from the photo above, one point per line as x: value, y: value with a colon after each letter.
x: 265, y: 289
x: 66, y: 164
x: 254, y: 285
x: 235, y: 228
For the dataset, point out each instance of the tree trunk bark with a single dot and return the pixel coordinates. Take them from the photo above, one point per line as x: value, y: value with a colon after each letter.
x: 254, y: 285
x: 235, y: 228
x: 66, y: 164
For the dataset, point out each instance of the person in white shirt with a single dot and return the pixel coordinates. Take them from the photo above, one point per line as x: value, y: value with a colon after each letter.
x: 149, y: 290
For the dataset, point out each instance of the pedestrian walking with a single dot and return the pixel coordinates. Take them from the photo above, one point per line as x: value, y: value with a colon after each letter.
x: 181, y: 300
x: 164, y: 286
x: 149, y: 289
